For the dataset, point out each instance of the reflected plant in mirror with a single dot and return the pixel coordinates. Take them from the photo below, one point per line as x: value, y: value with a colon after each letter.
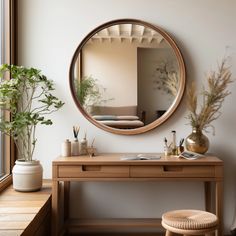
x: 123, y: 55
x: 87, y: 91
x: 90, y: 93
x: 166, y: 78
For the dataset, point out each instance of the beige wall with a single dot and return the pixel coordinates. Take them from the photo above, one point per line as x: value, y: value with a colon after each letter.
x: 50, y: 31
x: 114, y: 65
x: 151, y: 96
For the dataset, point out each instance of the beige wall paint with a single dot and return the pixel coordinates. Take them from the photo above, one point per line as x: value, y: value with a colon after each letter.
x: 50, y: 31
x: 114, y: 66
x: 151, y: 98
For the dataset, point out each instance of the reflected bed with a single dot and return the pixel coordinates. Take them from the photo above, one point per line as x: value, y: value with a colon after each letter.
x: 117, y: 117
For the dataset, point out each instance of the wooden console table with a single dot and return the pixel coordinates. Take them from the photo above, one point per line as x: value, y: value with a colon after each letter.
x: 109, y: 167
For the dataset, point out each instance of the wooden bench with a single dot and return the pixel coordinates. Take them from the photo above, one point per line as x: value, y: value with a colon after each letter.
x: 25, y: 214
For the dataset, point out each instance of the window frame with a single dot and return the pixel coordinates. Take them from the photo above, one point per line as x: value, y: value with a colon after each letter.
x: 10, y: 38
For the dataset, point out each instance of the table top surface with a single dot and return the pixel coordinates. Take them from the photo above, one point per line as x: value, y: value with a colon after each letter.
x: 115, y: 159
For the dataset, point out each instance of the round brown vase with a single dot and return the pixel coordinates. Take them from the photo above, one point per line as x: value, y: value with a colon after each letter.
x: 197, y: 142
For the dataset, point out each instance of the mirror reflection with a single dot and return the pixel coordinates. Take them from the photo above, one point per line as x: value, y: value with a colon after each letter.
x: 126, y: 75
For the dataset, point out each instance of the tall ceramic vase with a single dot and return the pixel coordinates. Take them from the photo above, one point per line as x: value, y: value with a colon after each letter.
x: 27, y: 175
x: 197, y: 141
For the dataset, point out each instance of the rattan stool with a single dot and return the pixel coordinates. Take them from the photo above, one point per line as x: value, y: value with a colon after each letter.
x: 189, y: 222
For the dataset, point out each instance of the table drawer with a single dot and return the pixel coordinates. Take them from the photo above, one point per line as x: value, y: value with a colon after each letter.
x: 93, y: 171
x: 172, y: 171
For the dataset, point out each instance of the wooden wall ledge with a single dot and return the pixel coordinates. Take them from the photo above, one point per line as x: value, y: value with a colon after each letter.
x: 25, y: 213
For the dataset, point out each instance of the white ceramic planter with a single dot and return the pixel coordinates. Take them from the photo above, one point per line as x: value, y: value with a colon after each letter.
x: 27, y: 175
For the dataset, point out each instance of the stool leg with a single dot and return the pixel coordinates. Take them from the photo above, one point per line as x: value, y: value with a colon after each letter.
x: 168, y: 233
x: 210, y: 234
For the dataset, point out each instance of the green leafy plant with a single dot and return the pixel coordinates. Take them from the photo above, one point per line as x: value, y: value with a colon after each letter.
x: 90, y: 93
x: 27, y: 98
x: 202, y: 116
x: 87, y: 90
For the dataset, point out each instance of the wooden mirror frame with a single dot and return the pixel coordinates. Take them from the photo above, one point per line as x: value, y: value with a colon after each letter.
x: 170, y: 110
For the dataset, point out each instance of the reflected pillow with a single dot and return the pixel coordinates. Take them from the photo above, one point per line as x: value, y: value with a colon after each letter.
x: 127, y: 118
x: 112, y: 117
x: 105, y: 117
x: 114, y: 111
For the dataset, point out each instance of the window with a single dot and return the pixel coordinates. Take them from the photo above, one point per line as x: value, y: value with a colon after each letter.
x: 7, y: 33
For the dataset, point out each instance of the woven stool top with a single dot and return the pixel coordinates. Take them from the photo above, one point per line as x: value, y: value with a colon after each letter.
x: 190, y: 219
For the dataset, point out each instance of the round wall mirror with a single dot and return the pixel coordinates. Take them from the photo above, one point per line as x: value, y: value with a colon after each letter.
x: 127, y: 76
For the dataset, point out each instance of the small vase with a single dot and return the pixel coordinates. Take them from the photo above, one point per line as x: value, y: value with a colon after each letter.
x: 75, y: 148
x: 197, y: 141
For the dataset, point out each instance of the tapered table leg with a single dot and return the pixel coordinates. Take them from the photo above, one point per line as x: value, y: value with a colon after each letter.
x: 66, y: 201
x: 55, y: 208
x: 219, y: 206
x: 208, y: 199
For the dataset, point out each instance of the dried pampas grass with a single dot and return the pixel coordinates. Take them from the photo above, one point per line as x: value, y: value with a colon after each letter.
x: 202, y: 116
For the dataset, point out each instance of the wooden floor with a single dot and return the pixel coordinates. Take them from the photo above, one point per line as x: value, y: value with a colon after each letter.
x: 117, y: 234
x: 126, y: 234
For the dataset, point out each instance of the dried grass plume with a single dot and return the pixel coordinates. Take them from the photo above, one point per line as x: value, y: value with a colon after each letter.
x: 201, y: 116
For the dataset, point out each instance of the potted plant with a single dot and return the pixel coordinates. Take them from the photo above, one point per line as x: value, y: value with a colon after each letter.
x: 202, y: 116
x: 27, y: 98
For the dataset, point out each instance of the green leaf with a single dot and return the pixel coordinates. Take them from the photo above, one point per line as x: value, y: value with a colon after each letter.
x: 47, y: 122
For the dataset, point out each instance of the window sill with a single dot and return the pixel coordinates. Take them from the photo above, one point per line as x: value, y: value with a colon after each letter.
x: 25, y: 213
x: 5, y: 182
